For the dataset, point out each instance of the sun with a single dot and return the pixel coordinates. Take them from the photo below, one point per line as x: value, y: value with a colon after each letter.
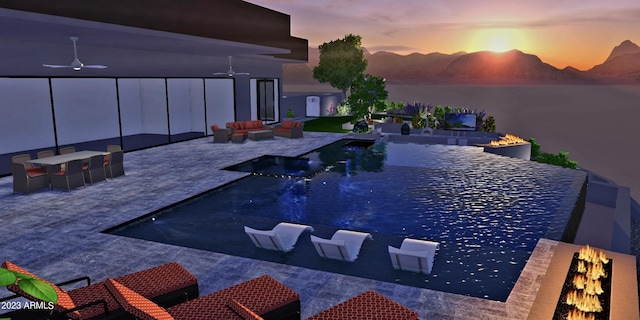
x: 498, y: 44
x: 498, y: 40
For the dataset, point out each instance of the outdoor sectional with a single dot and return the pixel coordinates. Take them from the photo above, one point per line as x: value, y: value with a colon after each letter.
x: 247, y: 126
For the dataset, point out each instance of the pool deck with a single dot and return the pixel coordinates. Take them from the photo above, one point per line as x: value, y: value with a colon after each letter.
x: 56, y: 234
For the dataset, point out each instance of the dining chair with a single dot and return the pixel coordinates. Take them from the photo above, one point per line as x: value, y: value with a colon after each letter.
x: 25, y: 181
x: 72, y: 177
x: 94, y: 171
x: 46, y: 154
x: 23, y: 158
x: 115, y: 167
x: 66, y: 150
x: 113, y: 148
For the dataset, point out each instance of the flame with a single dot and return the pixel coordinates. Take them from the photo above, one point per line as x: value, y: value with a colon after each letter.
x: 507, y: 140
x: 595, y: 271
x: 581, y: 267
x: 590, y: 254
x: 583, y: 301
x: 579, y: 315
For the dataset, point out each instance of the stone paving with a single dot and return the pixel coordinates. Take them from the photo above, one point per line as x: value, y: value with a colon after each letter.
x: 56, y: 234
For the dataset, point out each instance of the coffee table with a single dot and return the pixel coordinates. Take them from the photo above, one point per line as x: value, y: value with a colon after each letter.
x: 260, y: 134
x: 238, y: 137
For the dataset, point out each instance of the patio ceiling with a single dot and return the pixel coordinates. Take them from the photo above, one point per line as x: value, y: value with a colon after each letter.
x: 31, y: 39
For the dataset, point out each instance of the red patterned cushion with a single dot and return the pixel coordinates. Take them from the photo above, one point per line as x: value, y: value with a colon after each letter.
x: 174, y: 277
x: 261, y: 295
x: 278, y: 129
x: 136, y: 304
x: 215, y: 127
x: 367, y: 306
x: 64, y: 300
x: 297, y: 124
x: 243, y: 311
x: 286, y: 124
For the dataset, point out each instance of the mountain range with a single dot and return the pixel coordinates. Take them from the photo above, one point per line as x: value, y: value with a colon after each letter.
x: 622, y: 65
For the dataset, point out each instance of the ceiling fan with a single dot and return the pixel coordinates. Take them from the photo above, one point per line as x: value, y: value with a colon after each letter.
x: 75, y: 64
x: 231, y: 73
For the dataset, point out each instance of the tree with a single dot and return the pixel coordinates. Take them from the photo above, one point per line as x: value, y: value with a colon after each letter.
x: 368, y: 94
x: 341, y: 62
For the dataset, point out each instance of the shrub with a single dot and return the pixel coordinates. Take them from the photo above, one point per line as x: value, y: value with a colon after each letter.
x: 489, y: 124
x: 344, y: 109
x: 561, y: 159
x: 361, y: 126
x: 290, y: 114
x: 418, y: 121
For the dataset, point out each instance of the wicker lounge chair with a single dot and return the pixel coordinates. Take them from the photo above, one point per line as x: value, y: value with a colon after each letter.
x: 344, y: 245
x: 282, y: 237
x: 25, y: 181
x: 71, y: 178
x: 264, y: 297
x: 167, y: 284
x: 414, y: 255
x: 369, y: 305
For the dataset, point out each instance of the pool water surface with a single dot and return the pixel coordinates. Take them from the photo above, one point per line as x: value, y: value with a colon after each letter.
x: 486, y: 211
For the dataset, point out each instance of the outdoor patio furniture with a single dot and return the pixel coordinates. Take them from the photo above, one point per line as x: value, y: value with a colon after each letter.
x: 46, y: 153
x: 221, y: 135
x: 24, y: 158
x: 167, y: 284
x: 289, y: 129
x: 238, y: 137
x: 67, y: 150
x: 282, y: 237
x: 369, y: 305
x: 263, y: 296
x: 113, y: 148
x: 25, y: 181
x: 115, y: 167
x: 72, y: 177
x: 344, y: 245
x: 260, y: 134
x: 94, y: 171
x: 414, y: 255
x: 247, y: 126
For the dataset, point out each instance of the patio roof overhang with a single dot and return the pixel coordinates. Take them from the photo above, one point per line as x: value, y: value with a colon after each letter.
x: 143, y: 38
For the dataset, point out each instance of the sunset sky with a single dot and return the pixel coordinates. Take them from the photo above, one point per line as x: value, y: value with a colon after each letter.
x: 561, y: 32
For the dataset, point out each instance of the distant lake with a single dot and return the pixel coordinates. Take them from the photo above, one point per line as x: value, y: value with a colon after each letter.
x: 599, y: 125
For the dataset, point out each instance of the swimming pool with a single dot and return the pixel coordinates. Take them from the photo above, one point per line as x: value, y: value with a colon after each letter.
x: 487, y: 211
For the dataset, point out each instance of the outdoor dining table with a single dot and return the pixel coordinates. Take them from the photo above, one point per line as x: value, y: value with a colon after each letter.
x: 64, y: 158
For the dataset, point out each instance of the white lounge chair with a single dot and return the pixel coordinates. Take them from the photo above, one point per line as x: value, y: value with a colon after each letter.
x: 282, y: 237
x: 414, y: 255
x: 344, y: 245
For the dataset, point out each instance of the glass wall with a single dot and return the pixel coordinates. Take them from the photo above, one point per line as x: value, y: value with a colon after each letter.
x: 186, y: 109
x: 143, y: 113
x: 220, y: 104
x: 86, y: 113
x: 91, y: 113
